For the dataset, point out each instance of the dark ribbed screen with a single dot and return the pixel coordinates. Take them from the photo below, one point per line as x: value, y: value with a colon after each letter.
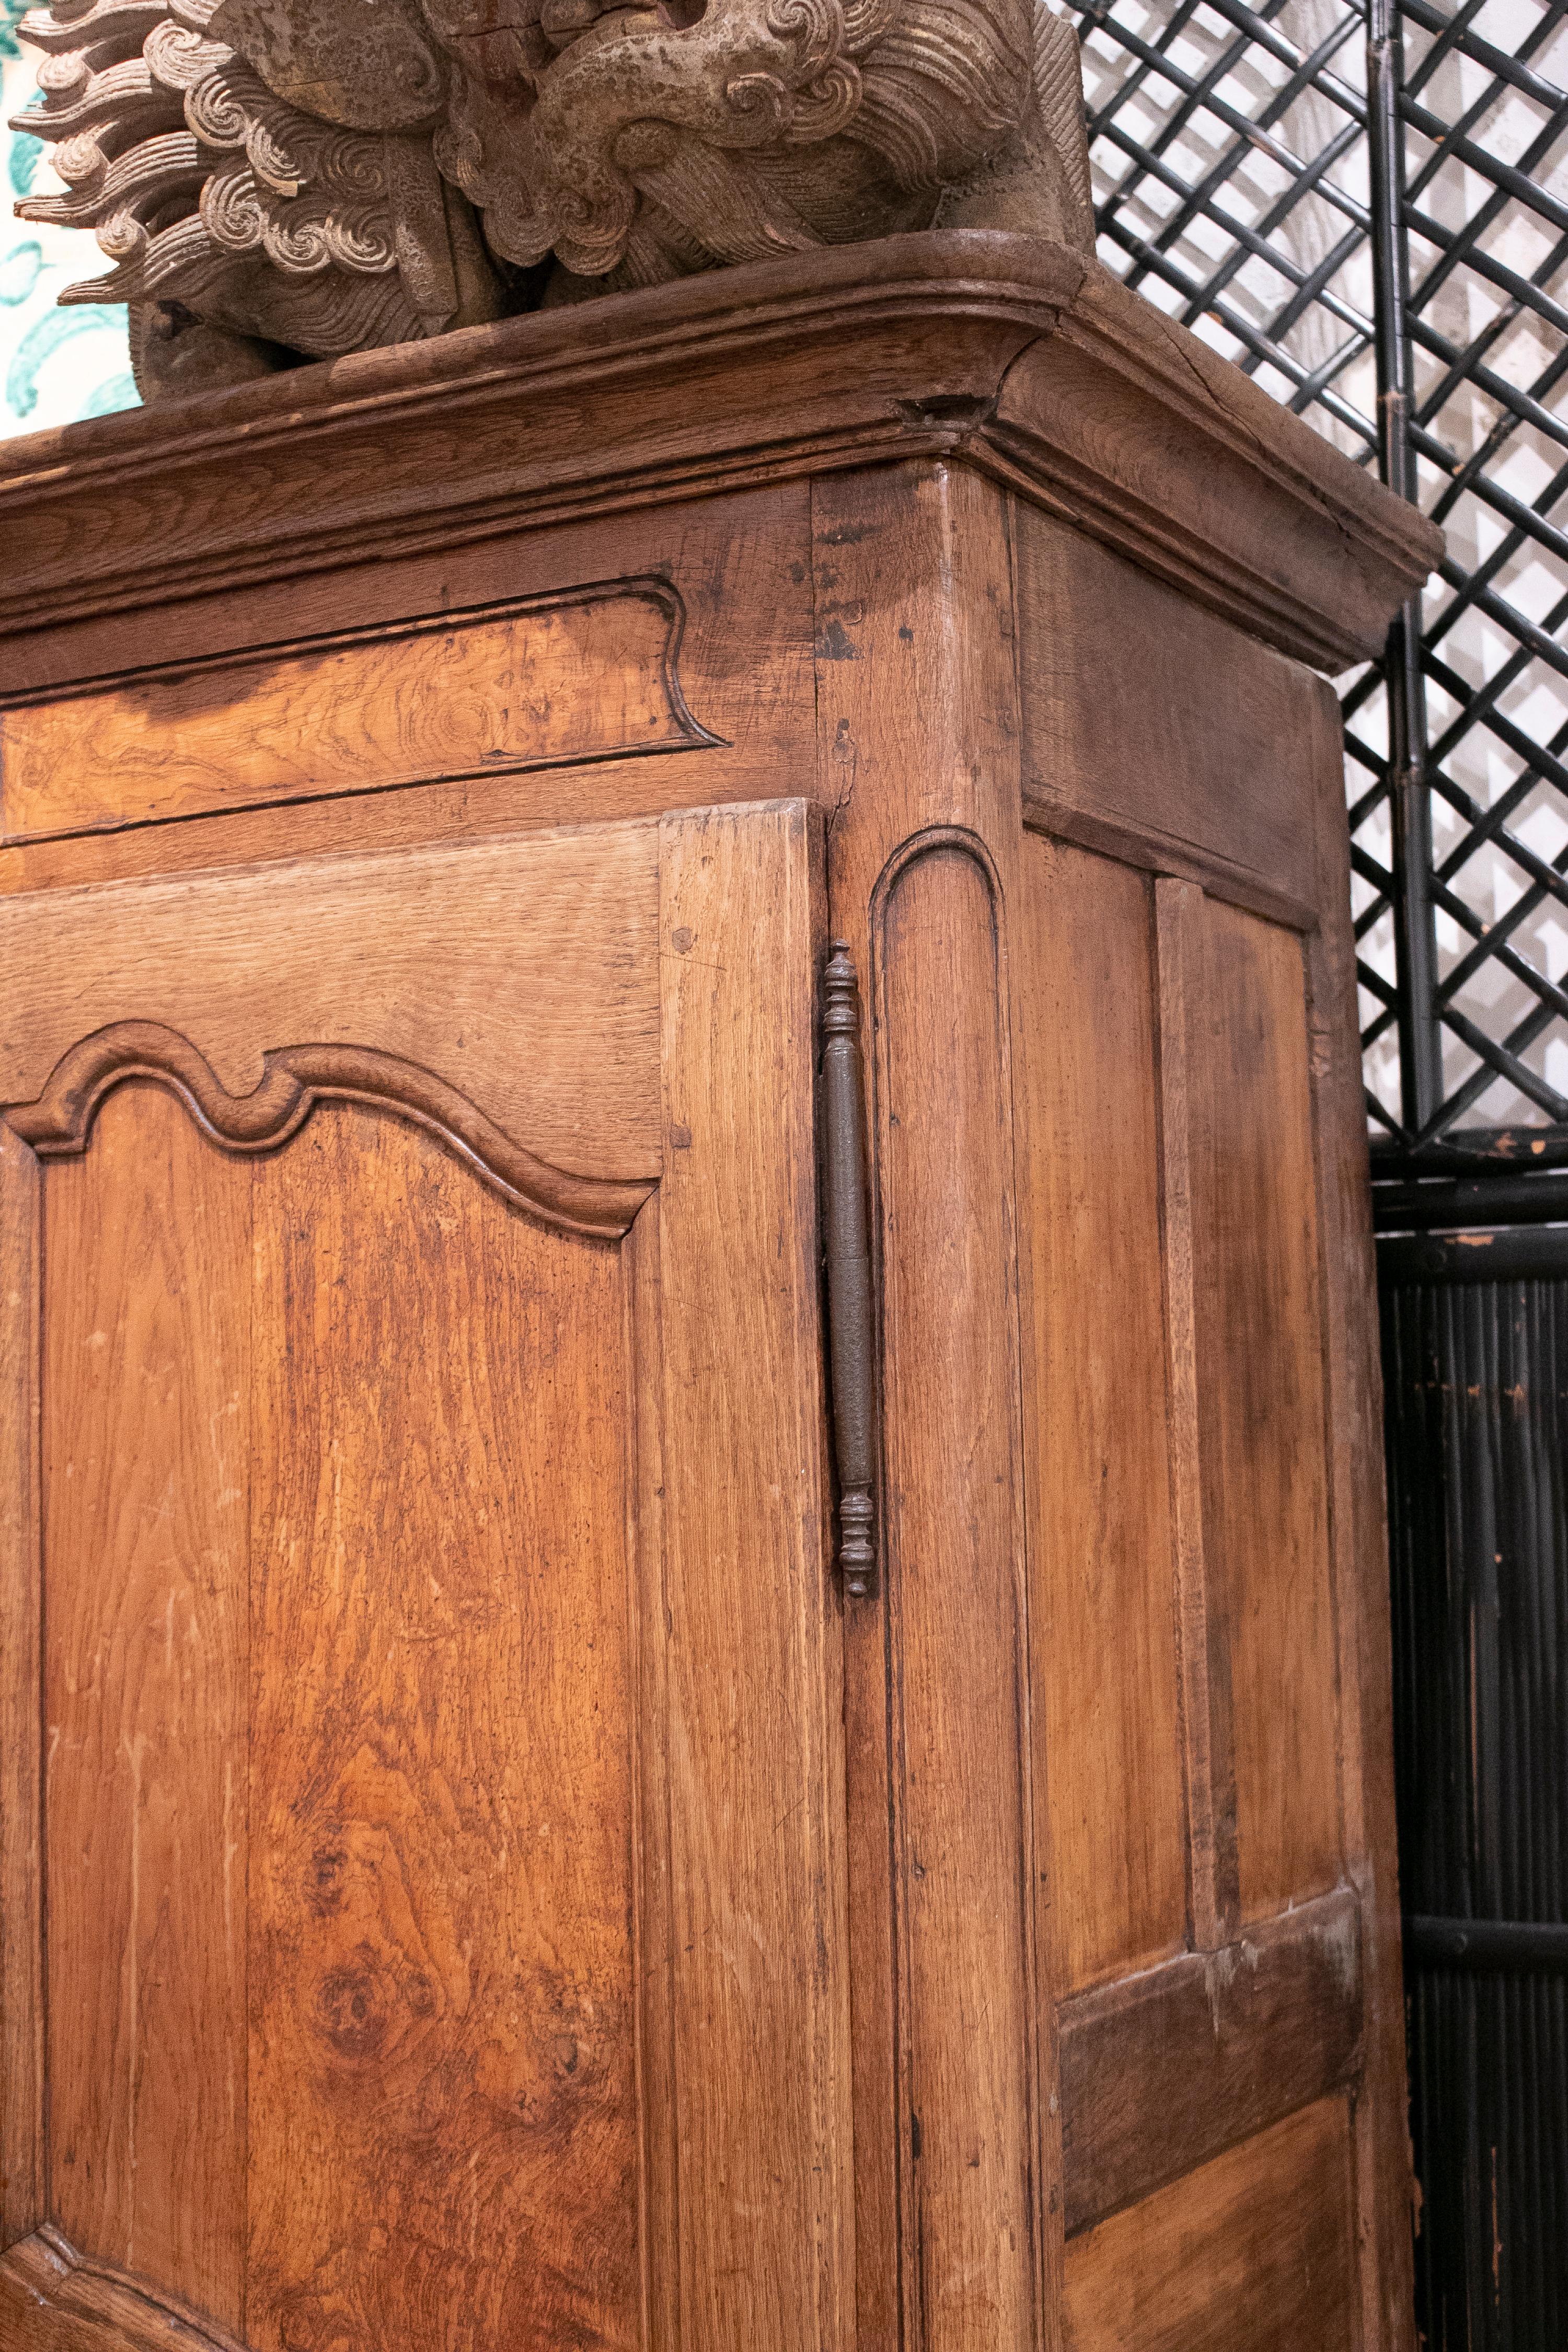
x: 1476, y: 1379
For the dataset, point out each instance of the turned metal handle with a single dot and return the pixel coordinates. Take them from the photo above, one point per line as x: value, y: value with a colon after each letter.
x: 846, y: 1216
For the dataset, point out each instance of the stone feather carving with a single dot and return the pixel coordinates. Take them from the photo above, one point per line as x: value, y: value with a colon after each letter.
x: 279, y: 179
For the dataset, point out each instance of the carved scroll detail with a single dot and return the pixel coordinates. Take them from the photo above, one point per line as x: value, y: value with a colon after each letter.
x: 59, y: 1122
x: 44, y: 2275
x: 272, y: 178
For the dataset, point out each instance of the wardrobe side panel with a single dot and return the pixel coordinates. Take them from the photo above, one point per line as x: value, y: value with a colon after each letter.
x: 1155, y: 729
x: 1255, y: 2248
x: 1208, y: 768
x: 1263, y: 1439
x: 1103, y: 1617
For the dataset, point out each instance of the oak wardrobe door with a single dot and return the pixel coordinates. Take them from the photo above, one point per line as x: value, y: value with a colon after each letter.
x: 419, y: 1854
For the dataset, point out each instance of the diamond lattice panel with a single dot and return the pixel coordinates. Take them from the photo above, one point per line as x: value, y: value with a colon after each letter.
x: 1487, y: 209
x: 1231, y: 181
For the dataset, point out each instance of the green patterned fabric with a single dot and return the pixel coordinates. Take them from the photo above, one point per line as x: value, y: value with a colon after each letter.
x: 55, y: 365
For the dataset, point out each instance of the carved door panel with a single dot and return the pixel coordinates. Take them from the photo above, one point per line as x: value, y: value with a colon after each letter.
x: 421, y: 1865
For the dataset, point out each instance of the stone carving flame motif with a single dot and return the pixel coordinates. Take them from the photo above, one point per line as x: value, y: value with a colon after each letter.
x: 274, y: 179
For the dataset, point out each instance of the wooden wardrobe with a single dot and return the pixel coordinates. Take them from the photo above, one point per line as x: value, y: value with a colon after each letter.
x: 472, y: 1879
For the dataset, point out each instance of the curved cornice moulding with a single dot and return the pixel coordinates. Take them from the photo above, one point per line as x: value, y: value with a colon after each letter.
x: 980, y: 347
x: 58, y: 1124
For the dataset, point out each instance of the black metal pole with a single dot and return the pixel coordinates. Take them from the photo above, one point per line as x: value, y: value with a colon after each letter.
x: 1410, y: 802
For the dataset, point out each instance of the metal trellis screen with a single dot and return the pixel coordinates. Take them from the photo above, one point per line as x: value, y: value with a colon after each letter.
x: 1362, y: 202
x: 1361, y: 211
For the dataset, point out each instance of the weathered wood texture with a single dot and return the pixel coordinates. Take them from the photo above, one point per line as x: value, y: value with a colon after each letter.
x: 440, y: 1988
x: 397, y: 1786
x: 299, y: 1573
x: 1354, y: 1392
x: 1097, y: 1450
x: 53, y: 2299
x: 1162, y: 2070
x: 548, y: 1025
x: 1267, y: 1595
x: 904, y: 348
x: 584, y: 676
x: 147, y: 1315
x: 1148, y: 774
x: 1255, y: 2248
x: 22, y: 2065
x: 721, y: 556
x: 958, y: 2134
x: 635, y: 1944
x: 752, y: 1945
x: 945, y: 1161
x: 1203, y: 1643
x: 1263, y: 1461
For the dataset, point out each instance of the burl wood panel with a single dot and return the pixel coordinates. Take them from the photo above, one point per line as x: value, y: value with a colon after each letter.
x: 1255, y: 2248
x: 1259, y: 1351
x: 521, y: 971
x: 147, y: 1399
x: 577, y: 678
x: 340, y: 1726
x: 736, y: 562
x: 439, y: 1963
x: 1096, y: 1443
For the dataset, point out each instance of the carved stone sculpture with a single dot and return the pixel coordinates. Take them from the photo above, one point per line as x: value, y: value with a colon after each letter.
x: 274, y: 179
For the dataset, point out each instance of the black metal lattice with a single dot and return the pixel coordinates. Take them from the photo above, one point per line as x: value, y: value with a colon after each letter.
x: 1354, y: 200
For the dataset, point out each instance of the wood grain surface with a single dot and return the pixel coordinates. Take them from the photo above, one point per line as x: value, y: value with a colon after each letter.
x: 710, y: 382
x: 59, y: 1125
x: 1202, y: 1627
x: 147, y: 1387
x: 1260, y: 1385
x: 440, y: 1976
x: 1097, y: 1452
x: 638, y: 1948
x: 742, y: 553
x: 900, y: 348
x: 1127, y: 415
x: 522, y: 973
x: 584, y: 677
x: 918, y: 753
x: 749, y: 1967
x: 1255, y: 2248
x: 54, y: 2298
x: 21, y: 2055
x: 370, y: 1602
x: 1168, y: 2068
x: 1385, y: 2191
x: 1169, y: 786
x: 428, y: 1723
x: 946, y: 1164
